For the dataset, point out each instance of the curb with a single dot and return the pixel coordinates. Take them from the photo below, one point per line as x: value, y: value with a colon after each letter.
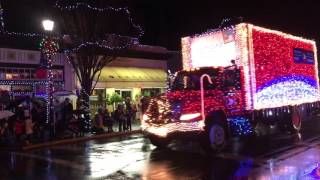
x: 80, y: 139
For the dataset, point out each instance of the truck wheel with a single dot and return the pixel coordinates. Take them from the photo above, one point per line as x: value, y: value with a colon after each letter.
x: 215, y: 137
x: 160, y: 142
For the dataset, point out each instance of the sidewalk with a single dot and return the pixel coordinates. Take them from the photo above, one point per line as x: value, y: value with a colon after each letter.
x: 116, y: 133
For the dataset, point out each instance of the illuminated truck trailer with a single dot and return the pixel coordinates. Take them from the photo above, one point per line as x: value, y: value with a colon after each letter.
x: 234, y: 80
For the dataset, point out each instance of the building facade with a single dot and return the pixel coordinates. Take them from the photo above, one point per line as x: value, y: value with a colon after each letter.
x: 136, y: 72
x: 141, y: 71
x: 23, y: 73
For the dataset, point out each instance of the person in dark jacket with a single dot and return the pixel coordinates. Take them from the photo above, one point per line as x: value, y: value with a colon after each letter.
x: 67, y: 114
x: 99, y: 121
x: 120, y: 117
x: 130, y: 113
x: 108, y: 120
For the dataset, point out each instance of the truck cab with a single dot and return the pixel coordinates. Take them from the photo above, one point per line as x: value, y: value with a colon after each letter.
x: 178, y: 112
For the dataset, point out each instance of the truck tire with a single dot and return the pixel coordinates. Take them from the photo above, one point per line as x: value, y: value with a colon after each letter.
x: 215, y: 136
x: 293, y: 120
x: 159, y: 142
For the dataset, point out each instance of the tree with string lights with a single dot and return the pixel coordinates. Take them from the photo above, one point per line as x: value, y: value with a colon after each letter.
x: 93, y: 35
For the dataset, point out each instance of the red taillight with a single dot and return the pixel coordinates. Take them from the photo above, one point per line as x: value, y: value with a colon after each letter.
x: 186, y: 117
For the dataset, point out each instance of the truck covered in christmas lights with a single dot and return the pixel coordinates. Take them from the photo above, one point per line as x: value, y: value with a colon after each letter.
x: 234, y: 79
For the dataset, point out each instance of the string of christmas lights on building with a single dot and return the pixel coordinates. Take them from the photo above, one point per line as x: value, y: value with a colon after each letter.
x: 4, y: 31
x: 98, y: 45
x: 107, y: 8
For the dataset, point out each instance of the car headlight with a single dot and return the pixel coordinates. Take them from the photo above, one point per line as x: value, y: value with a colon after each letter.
x: 145, y: 117
x: 186, y: 117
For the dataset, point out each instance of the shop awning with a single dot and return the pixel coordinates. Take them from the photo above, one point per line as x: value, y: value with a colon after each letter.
x: 132, y: 77
x: 132, y: 74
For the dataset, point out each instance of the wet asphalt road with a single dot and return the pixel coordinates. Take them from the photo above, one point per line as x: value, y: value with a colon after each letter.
x: 274, y: 157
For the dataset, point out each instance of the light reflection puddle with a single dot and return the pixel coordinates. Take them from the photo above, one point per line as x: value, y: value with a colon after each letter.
x: 116, y: 156
x: 303, y: 165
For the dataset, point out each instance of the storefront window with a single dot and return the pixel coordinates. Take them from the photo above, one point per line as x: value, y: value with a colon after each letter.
x: 2, y: 73
x: 58, y: 87
x: 97, y: 99
x: 124, y: 93
x: 22, y: 88
x: 33, y: 74
x: 27, y: 74
x: 7, y: 73
x: 59, y: 74
x: 150, y: 92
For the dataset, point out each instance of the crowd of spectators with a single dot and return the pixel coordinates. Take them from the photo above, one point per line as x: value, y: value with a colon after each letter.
x: 28, y: 123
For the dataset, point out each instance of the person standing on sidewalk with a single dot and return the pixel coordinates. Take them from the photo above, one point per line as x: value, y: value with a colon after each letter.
x: 19, y: 125
x: 38, y: 121
x: 108, y: 120
x: 144, y: 103
x: 129, y: 113
x: 100, y: 118
x: 28, y: 121
x: 120, y: 117
x: 67, y: 114
x: 56, y: 114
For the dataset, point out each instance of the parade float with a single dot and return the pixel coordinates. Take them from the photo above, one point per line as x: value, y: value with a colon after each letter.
x: 233, y: 80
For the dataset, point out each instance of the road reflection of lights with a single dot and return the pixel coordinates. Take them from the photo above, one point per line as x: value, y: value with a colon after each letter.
x: 303, y: 165
x: 299, y: 137
x: 160, y: 131
x: 159, y: 171
x: 271, y: 165
x: 108, y: 158
x: 12, y: 160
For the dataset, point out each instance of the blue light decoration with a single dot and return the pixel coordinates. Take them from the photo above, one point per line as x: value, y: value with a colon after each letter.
x: 240, y: 126
x: 285, y: 91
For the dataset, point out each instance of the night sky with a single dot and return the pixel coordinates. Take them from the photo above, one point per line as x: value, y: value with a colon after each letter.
x: 165, y: 22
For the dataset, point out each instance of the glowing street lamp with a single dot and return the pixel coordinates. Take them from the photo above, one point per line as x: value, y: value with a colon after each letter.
x: 48, y: 25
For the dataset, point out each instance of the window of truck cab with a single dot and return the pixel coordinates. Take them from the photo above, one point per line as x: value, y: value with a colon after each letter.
x: 221, y: 79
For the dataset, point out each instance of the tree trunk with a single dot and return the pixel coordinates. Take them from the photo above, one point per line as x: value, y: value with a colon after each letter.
x: 85, y: 103
x: 85, y: 109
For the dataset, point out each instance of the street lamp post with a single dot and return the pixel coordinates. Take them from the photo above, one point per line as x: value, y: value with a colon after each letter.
x: 48, y: 48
